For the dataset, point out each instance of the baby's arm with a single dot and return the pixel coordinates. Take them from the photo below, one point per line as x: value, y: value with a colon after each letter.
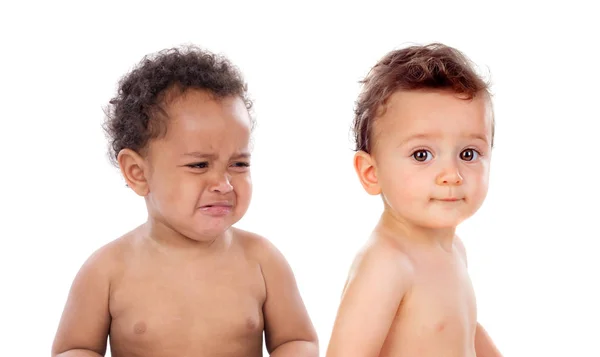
x: 484, y: 346
x: 288, y: 329
x: 369, y: 303
x: 85, y: 322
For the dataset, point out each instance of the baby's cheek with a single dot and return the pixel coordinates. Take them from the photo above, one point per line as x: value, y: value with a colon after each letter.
x: 480, y: 180
x: 478, y: 192
x: 415, y: 186
x: 242, y: 186
x: 405, y: 192
x: 185, y: 195
x: 240, y: 181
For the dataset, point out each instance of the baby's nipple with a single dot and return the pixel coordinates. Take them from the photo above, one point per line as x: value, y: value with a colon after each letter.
x: 139, y: 328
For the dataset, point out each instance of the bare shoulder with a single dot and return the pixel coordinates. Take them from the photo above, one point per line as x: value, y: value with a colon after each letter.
x: 286, y: 317
x: 256, y: 247
x: 259, y: 250
x: 380, y: 277
x: 105, y: 266
x: 111, y: 257
x: 381, y: 257
x: 106, y: 259
x: 85, y: 321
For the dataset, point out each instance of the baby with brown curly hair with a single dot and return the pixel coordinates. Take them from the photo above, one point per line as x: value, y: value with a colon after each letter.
x: 424, y: 130
x: 185, y: 282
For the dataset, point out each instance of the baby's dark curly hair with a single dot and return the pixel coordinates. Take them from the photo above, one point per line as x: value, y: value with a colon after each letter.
x: 135, y: 116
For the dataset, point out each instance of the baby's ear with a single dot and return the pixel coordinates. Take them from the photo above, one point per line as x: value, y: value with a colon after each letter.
x: 133, y: 170
x: 367, y: 172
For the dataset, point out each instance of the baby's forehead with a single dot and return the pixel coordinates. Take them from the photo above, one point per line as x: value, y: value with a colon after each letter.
x: 430, y: 110
x: 208, y: 148
x: 208, y: 118
x: 216, y: 137
x: 404, y: 129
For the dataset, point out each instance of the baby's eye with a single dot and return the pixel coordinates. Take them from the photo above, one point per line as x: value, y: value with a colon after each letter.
x: 469, y: 155
x: 198, y: 165
x: 422, y: 155
x: 241, y: 164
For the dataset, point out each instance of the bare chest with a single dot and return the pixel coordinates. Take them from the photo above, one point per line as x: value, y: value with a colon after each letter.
x: 443, y: 300
x: 438, y: 316
x: 203, y: 310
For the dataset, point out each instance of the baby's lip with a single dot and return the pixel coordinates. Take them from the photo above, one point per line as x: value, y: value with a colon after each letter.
x: 217, y: 204
x: 449, y: 199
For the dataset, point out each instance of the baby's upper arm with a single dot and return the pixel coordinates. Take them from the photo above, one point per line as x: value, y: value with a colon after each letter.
x: 370, y: 302
x: 85, y: 320
x: 286, y: 318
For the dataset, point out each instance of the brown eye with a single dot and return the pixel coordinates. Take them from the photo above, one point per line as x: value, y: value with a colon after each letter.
x: 469, y: 155
x: 422, y: 155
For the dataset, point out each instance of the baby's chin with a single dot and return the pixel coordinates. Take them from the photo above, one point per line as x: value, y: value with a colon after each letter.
x: 206, y: 235
x: 202, y: 231
x: 443, y: 225
x: 440, y: 221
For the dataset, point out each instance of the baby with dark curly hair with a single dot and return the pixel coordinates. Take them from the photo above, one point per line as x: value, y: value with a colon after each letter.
x: 185, y: 282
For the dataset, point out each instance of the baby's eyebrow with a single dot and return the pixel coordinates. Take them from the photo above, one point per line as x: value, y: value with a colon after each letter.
x: 418, y: 137
x: 211, y: 156
x: 241, y: 155
x: 438, y: 135
x: 478, y: 136
x: 201, y: 155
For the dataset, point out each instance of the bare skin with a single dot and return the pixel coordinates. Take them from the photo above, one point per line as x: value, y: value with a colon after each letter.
x: 424, y: 293
x: 157, y: 301
x: 408, y: 293
x: 187, y: 283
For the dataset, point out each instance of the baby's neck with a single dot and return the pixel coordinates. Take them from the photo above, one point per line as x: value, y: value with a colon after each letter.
x: 399, y: 226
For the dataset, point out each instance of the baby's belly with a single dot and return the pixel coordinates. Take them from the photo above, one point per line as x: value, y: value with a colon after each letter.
x: 427, y: 351
x: 430, y: 332
x: 429, y: 343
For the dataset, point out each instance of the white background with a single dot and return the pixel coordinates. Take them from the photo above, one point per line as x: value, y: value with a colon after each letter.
x: 532, y: 247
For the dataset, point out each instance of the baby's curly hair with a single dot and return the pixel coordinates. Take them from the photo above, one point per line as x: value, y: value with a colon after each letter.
x: 136, y: 115
x: 429, y: 67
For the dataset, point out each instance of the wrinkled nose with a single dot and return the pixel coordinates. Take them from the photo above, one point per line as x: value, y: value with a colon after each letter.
x: 222, y: 184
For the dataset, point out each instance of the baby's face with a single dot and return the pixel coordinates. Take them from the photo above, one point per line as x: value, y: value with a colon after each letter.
x: 432, y: 154
x: 199, y: 177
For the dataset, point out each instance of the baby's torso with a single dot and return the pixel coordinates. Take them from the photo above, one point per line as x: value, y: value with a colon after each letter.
x: 437, y: 317
x: 196, y: 308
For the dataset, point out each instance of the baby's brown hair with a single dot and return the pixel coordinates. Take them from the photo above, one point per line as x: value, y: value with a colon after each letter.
x: 429, y: 67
